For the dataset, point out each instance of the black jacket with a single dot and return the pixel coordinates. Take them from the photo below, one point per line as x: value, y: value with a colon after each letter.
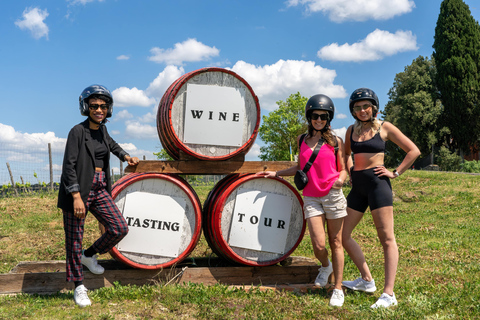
x: 79, y: 164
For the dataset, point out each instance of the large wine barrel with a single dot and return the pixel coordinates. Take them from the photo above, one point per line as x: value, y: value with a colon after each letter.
x: 253, y: 220
x: 208, y: 114
x: 163, y: 214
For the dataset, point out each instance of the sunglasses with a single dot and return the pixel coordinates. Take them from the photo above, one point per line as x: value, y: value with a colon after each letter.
x: 94, y: 107
x: 364, y: 107
x: 323, y: 116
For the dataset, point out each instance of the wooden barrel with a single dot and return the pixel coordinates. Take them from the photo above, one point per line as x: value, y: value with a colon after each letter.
x: 208, y: 114
x: 253, y: 220
x: 164, y: 219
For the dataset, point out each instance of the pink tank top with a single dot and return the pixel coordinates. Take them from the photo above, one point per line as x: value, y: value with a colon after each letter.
x: 323, y: 173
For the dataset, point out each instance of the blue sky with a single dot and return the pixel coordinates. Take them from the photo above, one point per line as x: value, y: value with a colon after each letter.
x: 51, y: 50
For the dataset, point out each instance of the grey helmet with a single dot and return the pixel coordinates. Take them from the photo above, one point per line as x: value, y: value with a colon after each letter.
x: 95, y: 90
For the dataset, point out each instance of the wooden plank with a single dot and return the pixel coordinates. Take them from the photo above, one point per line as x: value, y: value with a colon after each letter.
x: 51, y: 282
x: 208, y: 167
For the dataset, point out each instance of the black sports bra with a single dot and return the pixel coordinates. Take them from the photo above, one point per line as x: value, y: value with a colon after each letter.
x: 374, y: 145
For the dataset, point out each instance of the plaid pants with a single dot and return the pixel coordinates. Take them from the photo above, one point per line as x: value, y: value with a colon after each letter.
x: 101, y: 205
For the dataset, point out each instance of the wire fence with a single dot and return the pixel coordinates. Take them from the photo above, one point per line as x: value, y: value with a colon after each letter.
x: 37, y: 167
x: 25, y: 169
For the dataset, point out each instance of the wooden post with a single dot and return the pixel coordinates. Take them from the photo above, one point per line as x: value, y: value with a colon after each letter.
x: 51, y: 165
x: 11, y: 179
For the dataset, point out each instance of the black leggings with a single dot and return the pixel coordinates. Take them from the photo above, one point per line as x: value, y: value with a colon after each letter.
x: 369, y: 190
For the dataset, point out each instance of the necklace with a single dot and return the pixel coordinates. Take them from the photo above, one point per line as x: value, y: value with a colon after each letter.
x: 364, y: 133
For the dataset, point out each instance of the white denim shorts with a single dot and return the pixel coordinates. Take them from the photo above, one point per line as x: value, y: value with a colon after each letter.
x: 333, y: 205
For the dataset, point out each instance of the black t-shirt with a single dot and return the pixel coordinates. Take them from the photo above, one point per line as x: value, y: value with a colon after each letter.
x: 100, y: 148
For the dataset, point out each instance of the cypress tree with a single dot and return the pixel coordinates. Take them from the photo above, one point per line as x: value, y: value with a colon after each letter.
x: 457, y: 58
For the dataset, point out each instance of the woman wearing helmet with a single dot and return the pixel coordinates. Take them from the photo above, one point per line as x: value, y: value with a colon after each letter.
x: 371, y: 188
x: 323, y: 196
x: 85, y: 185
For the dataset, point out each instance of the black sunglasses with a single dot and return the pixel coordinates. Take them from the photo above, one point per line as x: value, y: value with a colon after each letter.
x: 323, y: 116
x: 96, y: 106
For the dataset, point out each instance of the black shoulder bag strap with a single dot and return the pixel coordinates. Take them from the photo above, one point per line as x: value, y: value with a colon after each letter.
x: 314, y: 153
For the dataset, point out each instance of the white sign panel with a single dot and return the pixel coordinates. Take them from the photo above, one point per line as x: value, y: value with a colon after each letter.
x: 261, y: 221
x: 214, y: 115
x: 155, y: 224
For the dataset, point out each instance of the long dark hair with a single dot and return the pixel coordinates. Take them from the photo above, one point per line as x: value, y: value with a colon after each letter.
x: 327, y: 133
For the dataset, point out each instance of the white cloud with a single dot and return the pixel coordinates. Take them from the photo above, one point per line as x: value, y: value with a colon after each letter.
x: 149, y: 117
x: 125, y: 97
x: 356, y: 10
x: 137, y: 130
x: 33, y: 21
x: 341, y: 132
x: 254, y: 153
x: 375, y: 46
x: 25, y: 143
x: 123, y: 57
x: 122, y: 115
x: 340, y: 116
x: 278, y: 81
x: 164, y: 79
x: 83, y: 1
x: 188, y: 51
x: 133, y: 151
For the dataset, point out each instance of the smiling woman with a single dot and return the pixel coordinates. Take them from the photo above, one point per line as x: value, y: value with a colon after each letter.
x: 86, y: 186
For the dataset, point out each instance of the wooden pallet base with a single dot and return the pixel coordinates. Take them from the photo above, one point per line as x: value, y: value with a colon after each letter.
x: 49, y: 276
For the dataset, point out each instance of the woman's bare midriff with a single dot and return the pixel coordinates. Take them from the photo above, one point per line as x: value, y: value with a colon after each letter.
x: 365, y: 161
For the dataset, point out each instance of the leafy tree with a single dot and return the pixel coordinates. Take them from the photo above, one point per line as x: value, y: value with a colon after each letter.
x: 281, y: 128
x: 414, y: 108
x: 457, y: 58
x: 163, y: 155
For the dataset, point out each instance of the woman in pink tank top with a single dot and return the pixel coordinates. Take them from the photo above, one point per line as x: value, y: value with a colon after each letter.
x: 324, y: 202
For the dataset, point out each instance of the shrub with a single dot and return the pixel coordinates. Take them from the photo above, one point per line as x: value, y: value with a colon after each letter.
x: 471, y: 166
x: 449, y: 161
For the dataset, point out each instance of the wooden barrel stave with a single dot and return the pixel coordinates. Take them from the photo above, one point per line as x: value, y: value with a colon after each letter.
x: 170, y: 122
x: 220, y: 220
x: 168, y: 185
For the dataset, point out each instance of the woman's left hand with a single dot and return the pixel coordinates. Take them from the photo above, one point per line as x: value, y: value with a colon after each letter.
x: 337, y: 184
x: 381, y: 171
x: 132, y: 161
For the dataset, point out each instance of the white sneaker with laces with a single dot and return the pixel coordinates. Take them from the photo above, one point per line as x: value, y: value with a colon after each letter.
x: 360, y: 285
x: 385, y: 301
x: 80, y: 296
x: 323, y: 275
x: 92, y: 264
x: 337, y: 298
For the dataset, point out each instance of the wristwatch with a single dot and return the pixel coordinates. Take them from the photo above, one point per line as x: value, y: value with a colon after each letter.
x: 395, y: 173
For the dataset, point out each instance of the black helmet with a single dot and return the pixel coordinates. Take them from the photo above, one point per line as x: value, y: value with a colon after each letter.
x: 320, y: 102
x: 364, y: 94
x: 95, y: 90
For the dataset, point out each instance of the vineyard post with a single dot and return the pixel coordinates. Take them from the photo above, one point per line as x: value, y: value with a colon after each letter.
x: 11, y: 179
x: 51, y: 165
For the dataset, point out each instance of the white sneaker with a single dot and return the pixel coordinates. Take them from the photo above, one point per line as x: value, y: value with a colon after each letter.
x: 360, y: 285
x: 385, y: 301
x: 80, y: 296
x: 323, y: 275
x: 92, y: 264
x: 337, y: 298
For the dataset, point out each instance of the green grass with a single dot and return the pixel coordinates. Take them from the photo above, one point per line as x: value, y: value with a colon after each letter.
x: 437, y: 224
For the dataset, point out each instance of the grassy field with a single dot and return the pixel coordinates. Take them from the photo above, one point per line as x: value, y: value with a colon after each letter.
x: 437, y: 223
